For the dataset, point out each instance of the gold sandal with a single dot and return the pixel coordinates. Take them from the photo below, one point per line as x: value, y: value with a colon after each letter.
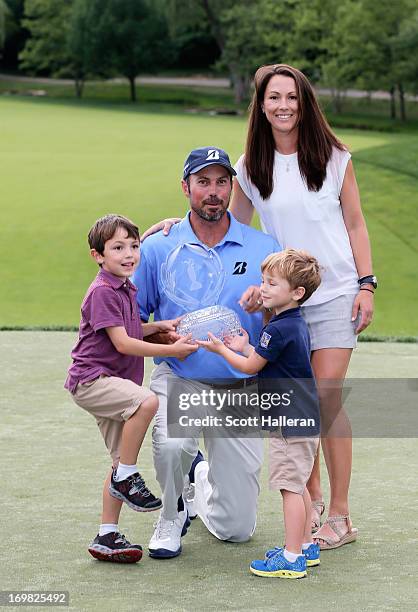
x: 338, y: 536
x: 318, y: 509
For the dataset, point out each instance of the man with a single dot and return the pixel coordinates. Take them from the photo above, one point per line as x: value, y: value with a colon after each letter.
x: 208, y: 242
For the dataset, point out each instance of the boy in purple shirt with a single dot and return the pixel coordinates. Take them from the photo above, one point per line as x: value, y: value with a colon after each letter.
x: 106, y: 375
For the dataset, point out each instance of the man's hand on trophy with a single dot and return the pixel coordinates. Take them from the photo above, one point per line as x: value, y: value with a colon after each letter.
x: 250, y: 300
x: 168, y: 337
x: 168, y: 325
x: 162, y: 332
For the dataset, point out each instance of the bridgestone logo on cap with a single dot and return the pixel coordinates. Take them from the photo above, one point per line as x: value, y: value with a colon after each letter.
x: 213, y: 154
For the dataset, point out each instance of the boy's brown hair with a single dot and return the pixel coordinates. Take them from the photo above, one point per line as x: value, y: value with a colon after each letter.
x: 299, y: 268
x: 104, y: 229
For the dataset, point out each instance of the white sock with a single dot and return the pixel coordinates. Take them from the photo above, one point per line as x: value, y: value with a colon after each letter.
x: 124, y: 471
x: 107, y: 528
x: 291, y: 557
x: 306, y: 545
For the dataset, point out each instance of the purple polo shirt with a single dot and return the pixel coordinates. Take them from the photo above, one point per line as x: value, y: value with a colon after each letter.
x: 109, y: 302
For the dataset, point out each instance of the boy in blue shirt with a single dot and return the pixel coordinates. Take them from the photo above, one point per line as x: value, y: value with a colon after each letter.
x: 283, y: 352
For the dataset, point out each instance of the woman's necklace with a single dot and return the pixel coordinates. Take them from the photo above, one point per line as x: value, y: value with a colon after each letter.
x: 287, y: 160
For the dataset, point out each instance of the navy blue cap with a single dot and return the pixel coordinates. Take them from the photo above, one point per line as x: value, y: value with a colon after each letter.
x: 206, y: 156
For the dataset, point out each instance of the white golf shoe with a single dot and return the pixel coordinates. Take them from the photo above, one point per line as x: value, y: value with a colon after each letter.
x: 166, y: 540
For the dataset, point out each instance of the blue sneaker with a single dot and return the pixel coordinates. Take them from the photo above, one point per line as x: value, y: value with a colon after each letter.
x: 272, y: 551
x: 278, y: 566
x: 311, y: 554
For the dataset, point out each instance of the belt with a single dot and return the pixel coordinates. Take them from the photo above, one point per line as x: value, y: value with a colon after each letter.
x: 232, y: 383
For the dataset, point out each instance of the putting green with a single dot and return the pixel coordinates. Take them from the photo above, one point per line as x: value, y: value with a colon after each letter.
x: 53, y: 465
x: 65, y: 164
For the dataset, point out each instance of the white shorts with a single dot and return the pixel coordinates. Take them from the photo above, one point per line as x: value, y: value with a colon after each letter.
x: 330, y: 324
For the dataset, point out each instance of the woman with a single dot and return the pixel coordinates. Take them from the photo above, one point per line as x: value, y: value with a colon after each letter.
x: 300, y: 179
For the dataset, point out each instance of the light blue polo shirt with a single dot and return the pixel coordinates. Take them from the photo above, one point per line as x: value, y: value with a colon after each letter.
x: 241, y: 252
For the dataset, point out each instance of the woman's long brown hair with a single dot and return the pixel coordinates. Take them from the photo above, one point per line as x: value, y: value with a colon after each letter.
x: 315, y: 137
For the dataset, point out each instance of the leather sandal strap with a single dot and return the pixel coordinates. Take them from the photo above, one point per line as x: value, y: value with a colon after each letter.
x: 327, y: 539
x: 336, y: 523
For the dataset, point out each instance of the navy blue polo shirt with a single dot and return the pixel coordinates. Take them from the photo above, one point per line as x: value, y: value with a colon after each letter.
x: 285, y: 343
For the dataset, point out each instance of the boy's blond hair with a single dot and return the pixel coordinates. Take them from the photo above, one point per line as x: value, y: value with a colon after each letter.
x: 299, y: 268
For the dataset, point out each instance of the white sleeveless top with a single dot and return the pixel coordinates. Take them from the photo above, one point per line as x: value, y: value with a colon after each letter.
x: 308, y: 220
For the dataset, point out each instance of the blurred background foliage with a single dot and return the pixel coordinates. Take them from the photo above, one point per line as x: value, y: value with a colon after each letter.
x: 340, y: 45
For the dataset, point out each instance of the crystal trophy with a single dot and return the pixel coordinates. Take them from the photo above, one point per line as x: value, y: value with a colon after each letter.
x: 218, y: 320
x: 192, y: 276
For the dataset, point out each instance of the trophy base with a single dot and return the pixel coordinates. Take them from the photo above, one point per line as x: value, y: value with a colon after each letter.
x: 218, y: 320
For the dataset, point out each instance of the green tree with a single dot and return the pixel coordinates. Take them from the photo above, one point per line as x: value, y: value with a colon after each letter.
x: 256, y: 33
x: 58, y: 41
x: 3, y: 12
x: 213, y: 11
x: 77, y: 38
x: 190, y: 35
x: 363, y: 43
x: 405, y: 52
x: 15, y: 33
x: 129, y: 36
x: 46, y: 50
x: 312, y: 22
x: 82, y: 42
x: 314, y: 45
x: 248, y: 34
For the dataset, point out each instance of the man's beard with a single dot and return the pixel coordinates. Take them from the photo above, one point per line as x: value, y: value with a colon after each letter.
x: 210, y: 216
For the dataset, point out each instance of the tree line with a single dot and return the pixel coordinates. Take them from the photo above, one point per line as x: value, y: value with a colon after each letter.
x: 338, y: 43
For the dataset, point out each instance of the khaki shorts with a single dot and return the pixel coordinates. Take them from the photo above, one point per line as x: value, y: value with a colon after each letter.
x: 112, y: 401
x: 291, y: 462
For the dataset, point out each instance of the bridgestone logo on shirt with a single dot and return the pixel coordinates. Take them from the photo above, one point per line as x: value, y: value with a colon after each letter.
x: 265, y: 339
x: 240, y: 267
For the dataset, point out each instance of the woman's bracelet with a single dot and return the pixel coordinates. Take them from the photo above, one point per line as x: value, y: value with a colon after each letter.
x: 366, y: 289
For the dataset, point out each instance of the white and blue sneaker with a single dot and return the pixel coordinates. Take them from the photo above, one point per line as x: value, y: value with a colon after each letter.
x: 277, y: 566
x: 311, y: 554
x: 166, y: 539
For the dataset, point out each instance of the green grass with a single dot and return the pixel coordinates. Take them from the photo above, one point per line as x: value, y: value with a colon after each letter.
x: 118, y: 93
x: 54, y: 462
x: 356, y: 112
x: 64, y: 163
